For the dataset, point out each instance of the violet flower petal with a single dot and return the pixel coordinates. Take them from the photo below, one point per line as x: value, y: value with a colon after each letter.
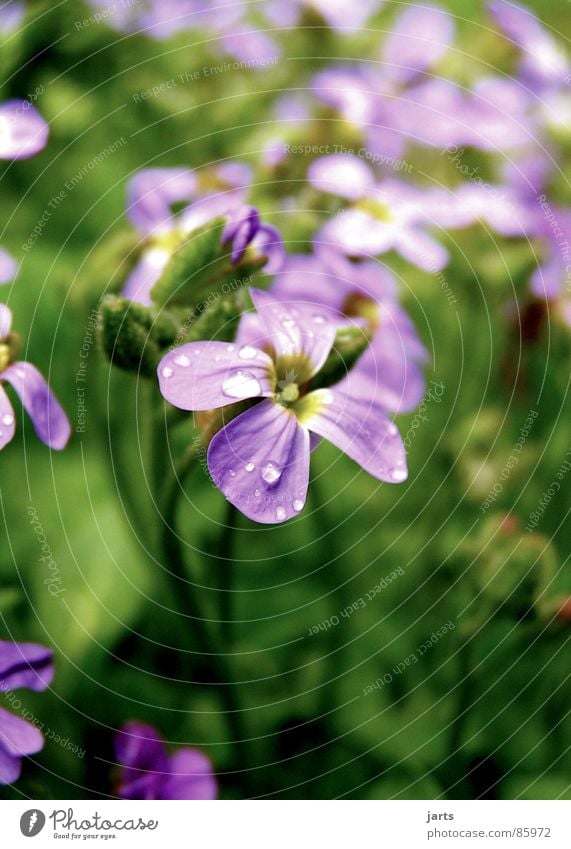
x: 421, y: 250
x: 11, y: 16
x: 386, y: 376
x: 190, y: 777
x: 10, y: 767
x: 361, y: 429
x: 207, y: 375
x: 5, y: 321
x: 152, y: 192
x: 295, y: 329
x: 140, y: 746
x: 356, y: 233
x: 23, y: 131
x: 27, y: 665
x: 547, y: 279
x: 240, y: 230
x: 543, y: 59
x: 346, y: 17
x: 260, y: 461
x: 7, y: 424
x: 8, y: 268
x: 49, y: 420
x: 268, y: 242
x: 141, y: 280
x: 18, y: 737
x: 420, y: 38
x: 341, y: 174
x: 350, y: 91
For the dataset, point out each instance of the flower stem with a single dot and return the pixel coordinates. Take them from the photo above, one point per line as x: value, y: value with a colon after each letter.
x: 188, y: 605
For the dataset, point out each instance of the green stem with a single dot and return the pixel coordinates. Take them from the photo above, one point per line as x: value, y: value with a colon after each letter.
x: 333, y: 575
x: 188, y: 604
x: 174, y: 558
x: 225, y: 568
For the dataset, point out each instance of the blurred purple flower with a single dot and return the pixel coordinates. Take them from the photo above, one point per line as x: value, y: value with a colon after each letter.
x: 543, y: 62
x: 149, y: 772
x: 21, y: 665
x: 227, y: 21
x: 23, y: 131
x: 383, y: 216
x: 400, y: 103
x: 11, y: 16
x: 48, y: 418
x: 260, y: 459
x: 364, y: 294
x: 8, y: 267
x: 338, y: 14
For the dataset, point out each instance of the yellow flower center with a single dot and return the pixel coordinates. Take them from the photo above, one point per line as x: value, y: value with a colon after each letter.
x: 292, y: 373
x: 4, y: 356
x: 376, y: 209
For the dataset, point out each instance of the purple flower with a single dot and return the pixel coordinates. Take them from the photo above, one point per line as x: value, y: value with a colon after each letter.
x: 362, y: 293
x: 219, y: 192
x: 23, y: 131
x: 543, y: 62
x: 21, y: 665
x: 148, y: 771
x: 398, y: 103
x: 390, y: 215
x: 49, y: 420
x: 260, y: 459
x: 338, y: 14
x: 8, y: 267
x: 11, y: 16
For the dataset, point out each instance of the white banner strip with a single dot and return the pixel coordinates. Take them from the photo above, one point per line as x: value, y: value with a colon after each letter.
x: 283, y: 825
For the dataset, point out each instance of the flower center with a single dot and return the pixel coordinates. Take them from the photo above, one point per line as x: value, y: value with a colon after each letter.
x: 376, y: 209
x: 292, y: 373
x: 9, y: 349
x: 4, y: 356
x: 361, y: 306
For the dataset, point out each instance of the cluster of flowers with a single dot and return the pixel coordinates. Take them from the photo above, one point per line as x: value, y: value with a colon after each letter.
x: 240, y: 28
x: 401, y: 101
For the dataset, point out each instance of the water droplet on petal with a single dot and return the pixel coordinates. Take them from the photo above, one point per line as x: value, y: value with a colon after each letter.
x: 271, y: 472
x: 249, y: 467
x: 319, y: 319
x: 297, y: 505
x: 167, y: 371
x: 246, y: 352
x: 288, y: 322
x: 182, y: 360
x: 230, y: 347
x: 280, y: 514
x: 232, y: 473
x: 7, y: 420
x: 241, y: 384
x: 327, y: 397
x: 398, y: 474
x: 393, y: 429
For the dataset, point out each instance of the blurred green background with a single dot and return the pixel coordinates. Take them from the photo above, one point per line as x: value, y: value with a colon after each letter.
x: 484, y: 713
